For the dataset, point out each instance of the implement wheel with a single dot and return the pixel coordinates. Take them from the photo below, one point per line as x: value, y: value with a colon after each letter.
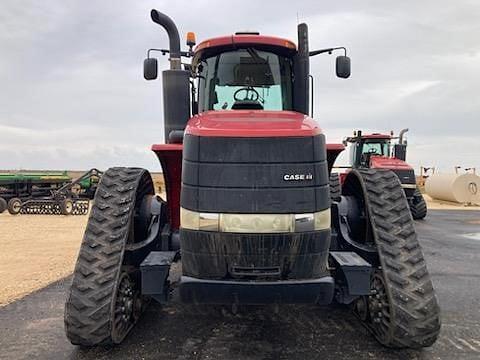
x: 402, y: 310
x: 66, y: 207
x: 3, y: 205
x: 14, y: 206
x: 105, y: 302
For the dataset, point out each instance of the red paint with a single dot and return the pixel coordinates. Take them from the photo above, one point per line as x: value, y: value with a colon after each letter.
x: 167, y: 147
x: 170, y: 156
x: 245, y: 40
x: 335, y: 147
x: 384, y: 162
x: 252, y: 123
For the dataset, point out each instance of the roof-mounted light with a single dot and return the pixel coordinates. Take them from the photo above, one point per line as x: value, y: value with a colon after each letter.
x: 247, y: 33
x: 191, y: 38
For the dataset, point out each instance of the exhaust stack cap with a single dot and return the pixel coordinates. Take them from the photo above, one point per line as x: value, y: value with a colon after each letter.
x: 172, y: 31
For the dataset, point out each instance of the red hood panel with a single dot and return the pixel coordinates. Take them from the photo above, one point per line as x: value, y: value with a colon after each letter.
x: 383, y: 162
x: 252, y: 123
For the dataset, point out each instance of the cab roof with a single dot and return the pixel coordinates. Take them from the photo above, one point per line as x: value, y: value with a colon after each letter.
x: 246, y: 39
x: 371, y: 136
x: 376, y: 136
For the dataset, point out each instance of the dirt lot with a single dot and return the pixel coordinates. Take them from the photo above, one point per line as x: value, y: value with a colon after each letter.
x: 434, y: 204
x: 36, y: 250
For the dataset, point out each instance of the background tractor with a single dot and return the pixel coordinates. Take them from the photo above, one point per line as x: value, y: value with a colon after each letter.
x: 248, y: 211
x: 378, y: 151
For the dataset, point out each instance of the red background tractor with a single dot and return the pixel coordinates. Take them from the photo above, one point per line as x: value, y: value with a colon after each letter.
x: 378, y: 151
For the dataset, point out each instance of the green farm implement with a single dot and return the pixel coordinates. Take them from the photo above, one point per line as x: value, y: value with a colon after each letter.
x: 49, y: 193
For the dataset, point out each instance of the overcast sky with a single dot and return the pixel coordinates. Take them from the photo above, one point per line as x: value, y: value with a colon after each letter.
x: 72, y: 94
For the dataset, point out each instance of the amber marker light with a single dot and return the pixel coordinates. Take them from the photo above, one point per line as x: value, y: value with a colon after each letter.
x: 191, y: 38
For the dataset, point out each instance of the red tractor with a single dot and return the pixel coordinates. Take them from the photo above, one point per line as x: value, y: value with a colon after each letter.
x: 248, y: 211
x: 378, y: 151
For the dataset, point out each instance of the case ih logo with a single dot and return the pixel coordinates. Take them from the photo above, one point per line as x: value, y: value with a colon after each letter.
x: 297, y: 177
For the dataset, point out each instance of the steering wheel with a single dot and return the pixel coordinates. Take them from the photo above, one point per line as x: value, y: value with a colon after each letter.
x: 250, y: 94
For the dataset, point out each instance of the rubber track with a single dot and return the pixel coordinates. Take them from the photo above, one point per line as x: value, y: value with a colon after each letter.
x: 89, y: 307
x: 414, y: 307
x: 418, y: 207
x: 335, y: 187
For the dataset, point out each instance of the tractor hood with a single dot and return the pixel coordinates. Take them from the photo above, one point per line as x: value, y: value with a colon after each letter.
x: 252, y: 123
x: 384, y: 162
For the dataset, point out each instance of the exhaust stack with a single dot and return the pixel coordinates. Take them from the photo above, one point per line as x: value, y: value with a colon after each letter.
x: 400, y: 135
x: 176, y: 84
x: 400, y: 149
x: 302, y: 71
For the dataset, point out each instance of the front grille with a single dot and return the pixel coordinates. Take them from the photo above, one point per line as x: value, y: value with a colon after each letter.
x: 405, y: 176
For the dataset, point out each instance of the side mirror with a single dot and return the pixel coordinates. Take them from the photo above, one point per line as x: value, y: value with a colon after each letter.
x: 150, y: 69
x: 343, y: 66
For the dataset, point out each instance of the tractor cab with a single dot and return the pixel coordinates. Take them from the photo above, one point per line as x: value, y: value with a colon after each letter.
x: 244, y: 75
x: 364, y: 147
x: 244, y: 71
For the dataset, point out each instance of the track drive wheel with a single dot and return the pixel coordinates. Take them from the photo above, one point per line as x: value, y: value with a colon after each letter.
x: 418, y: 206
x: 66, y: 207
x: 3, y: 205
x: 105, y: 302
x: 14, y: 206
x: 402, y: 310
x: 335, y: 187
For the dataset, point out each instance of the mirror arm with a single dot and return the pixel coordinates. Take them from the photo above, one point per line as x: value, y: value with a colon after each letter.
x: 329, y: 50
x: 163, y: 51
x: 166, y: 51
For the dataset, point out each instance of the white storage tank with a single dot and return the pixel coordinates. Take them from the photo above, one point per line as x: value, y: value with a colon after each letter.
x: 460, y: 188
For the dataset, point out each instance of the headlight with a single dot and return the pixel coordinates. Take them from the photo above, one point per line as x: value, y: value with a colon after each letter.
x: 322, y: 219
x: 189, y: 219
x: 255, y: 223
x: 198, y: 221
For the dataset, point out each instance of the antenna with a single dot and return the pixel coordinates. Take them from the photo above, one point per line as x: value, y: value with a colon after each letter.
x: 298, y: 21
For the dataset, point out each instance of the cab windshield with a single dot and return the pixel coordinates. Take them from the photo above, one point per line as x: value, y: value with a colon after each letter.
x: 377, y: 148
x: 245, y: 79
x: 361, y: 152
